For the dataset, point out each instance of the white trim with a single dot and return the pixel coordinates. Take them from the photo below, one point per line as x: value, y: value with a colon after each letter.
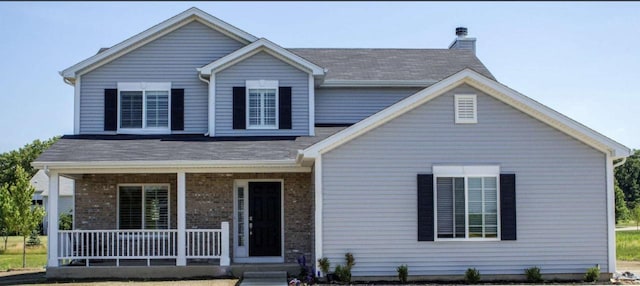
x: 153, y: 33
x: 136, y: 86
x: 460, y: 171
x: 317, y: 169
x: 257, y: 259
x: 611, y: 216
x: 261, y: 84
x: 259, y: 46
x: 312, y: 106
x: 212, y: 106
x: 76, y: 106
x: 181, y: 185
x: 460, y: 97
x: 142, y: 186
x: 144, y: 87
x: 488, y: 86
x: 376, y: 83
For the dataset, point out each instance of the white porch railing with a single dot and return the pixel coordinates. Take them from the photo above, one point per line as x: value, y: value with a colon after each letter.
x: 141, y: 244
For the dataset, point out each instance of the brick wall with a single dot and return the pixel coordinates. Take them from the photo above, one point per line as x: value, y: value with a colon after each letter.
x: 209, y: 201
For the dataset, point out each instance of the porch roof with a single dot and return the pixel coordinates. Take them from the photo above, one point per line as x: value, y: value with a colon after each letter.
x: 131, y: 148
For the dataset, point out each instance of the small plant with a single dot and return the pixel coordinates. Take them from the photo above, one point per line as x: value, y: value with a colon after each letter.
x: 472, y: 276
x: 403, y: 272
x: 307, y: 273
x: 343, y: 273
x: 325, y: 265
x: 593, y: 274
x: 65, y: 221
x: 533, y: 274
x: 350, y: 260
x: 34, y: 239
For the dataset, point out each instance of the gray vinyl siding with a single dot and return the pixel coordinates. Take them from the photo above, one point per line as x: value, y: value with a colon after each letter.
x: 171, y: 58
x: 350, y: 105
x: 267, y: 67
x: 369, y: 193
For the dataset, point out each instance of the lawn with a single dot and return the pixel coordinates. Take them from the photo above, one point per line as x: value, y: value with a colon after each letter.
x: 628, y: 245
x: 11, y: 258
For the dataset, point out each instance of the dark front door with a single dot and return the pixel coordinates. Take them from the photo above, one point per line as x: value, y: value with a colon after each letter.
x: 264, y: 219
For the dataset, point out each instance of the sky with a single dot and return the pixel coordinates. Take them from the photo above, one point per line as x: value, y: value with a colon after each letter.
x: 578, y: 58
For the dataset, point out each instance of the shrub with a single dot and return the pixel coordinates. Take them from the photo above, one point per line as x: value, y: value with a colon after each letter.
x: 350, y: 260
x: 533, y: 274
x: 324, y: 265
x: 343, y: 273
x: 34, y: 239
x: 472, y: 276
x: 593, y: 274
x: 65, y: 221
x: 403, y: 272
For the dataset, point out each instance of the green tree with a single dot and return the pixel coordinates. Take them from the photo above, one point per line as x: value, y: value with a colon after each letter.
x: 6, y: 213
x: 628, y: 178
x: 635, y: 216
x: 622, y: 211
x: 25, y: 218
x: 22, y: 157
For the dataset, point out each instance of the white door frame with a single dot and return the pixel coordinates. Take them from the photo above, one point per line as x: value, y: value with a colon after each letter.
x: 241, y: 253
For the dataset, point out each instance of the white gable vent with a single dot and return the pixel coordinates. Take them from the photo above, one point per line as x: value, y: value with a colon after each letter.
x: 466, y: 108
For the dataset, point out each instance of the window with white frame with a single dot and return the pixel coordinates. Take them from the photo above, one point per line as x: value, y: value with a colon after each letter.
x: 144, y: 106
x: 262, y: 104
x: 467, y: 202
x: 466, y: 109
x: 143, y: 206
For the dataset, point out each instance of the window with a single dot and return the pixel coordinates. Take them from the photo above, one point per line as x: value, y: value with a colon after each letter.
x: 466, y: 108
x: 262, y: 107
x: 143, y: 207
x: 466, y: 202
x: 144, y: 106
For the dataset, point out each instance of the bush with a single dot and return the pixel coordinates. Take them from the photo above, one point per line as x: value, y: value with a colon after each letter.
x: 343, y: 273
x: 65, y: 221
x: 324, y: 265
x: 593, y: 274
x: 533, y: 274
x: 34, y: 239
x: 472, y: 276
x: 403, y: 272
x: 350, y: 260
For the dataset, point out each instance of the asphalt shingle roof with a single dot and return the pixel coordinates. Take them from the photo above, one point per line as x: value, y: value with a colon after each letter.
x: 176, y: 147
x: 393, y: 64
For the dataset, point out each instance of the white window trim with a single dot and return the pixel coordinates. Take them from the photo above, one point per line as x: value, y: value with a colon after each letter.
x: 457, y: 98
x: 262, y: 84
x: 143, y: 202
x: 465, y: 172
x: 144, y: 86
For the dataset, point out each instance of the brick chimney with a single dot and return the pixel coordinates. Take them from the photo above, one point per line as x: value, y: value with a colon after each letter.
x: 462, y: 42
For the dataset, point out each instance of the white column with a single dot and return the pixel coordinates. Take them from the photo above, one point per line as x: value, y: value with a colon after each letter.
x: 611, y: 216
x: 225, y: 260
x: 182, y: 221
x: 52, y: 247
x: 317, y: 169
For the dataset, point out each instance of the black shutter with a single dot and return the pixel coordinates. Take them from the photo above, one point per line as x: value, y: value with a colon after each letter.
x: 425, y: 207
x: 284, y: 102
x: 508, y: 206
x: 239, y: 107
x: 110, y: 109
x: 177, y: 109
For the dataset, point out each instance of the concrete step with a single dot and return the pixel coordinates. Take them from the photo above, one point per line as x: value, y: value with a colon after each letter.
x: 260, y: 278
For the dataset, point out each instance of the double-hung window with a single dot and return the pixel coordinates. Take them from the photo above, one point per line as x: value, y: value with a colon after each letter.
x: 144, y: 106
x: 143, y: 206
x: 262, y: 104
x: 466, y: 201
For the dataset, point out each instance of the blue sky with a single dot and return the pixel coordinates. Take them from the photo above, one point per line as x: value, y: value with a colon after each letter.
x: 579, y: 58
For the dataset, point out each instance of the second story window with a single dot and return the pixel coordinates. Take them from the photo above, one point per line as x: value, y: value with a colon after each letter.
x: 262, y: 107
x: 144, y: 106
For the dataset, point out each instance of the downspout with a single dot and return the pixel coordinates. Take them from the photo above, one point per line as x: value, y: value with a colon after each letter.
x: 624, y: 159
x: 67, y: 81
x: 207, y: 82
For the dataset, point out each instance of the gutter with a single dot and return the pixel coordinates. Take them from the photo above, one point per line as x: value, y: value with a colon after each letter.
x: 165, y: 164
x: 624, y: 159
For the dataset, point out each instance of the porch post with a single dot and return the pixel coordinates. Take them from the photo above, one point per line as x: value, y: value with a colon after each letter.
x: 225, y: 260
x: 182, y: 221
x: 52, y: 231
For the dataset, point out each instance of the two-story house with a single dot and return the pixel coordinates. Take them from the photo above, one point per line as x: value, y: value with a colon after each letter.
x: 199, y: 147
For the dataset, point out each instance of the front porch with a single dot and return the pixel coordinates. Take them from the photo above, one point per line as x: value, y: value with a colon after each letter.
x: 205, y: 221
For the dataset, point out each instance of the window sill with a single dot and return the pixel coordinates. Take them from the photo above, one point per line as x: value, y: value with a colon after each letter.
x: 144, y: 131
x: 466, y: 239
x: 262, y: 127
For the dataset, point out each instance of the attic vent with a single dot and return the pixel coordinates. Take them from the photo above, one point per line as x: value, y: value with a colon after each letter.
x: 466, y: 108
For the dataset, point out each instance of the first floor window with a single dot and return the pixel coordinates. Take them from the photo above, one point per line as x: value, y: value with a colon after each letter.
x: 466, y: 205
x: 143, y: 207
x: 262, y: 107
x: 144, y: 105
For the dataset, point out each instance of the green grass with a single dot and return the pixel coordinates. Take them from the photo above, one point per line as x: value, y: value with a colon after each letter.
x: 11, y: 258
x: 628, y: 245
x: 625, y: 224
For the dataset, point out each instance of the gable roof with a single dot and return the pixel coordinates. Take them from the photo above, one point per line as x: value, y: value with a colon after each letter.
x: 159, y: 30
x: 398, y: 67
x: 488, y: 86
x: 259, y: 46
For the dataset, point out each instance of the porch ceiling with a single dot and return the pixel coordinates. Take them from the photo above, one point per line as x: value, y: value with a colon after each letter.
x: 124, y: 148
